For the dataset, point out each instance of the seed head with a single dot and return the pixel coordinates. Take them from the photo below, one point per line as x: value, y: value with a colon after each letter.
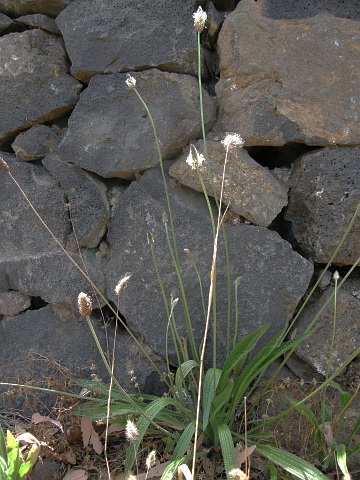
x: 238, y: 474
x: 4, y: 167
x: 120, y: 287
x: 233, y: 140
x: 150, y: 460
x: 84, y: 304
x: 199, y: 19
x: 336, y: 276
x: 131, y: 431
x: 130, y: 81
x: 195, y: 159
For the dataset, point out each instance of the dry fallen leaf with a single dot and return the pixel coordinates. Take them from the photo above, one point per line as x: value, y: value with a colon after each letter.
x: 76, y: 475
x: 90, y: 436
x: 70, y: 457
x: 37, y: 418
x: 241, y: 455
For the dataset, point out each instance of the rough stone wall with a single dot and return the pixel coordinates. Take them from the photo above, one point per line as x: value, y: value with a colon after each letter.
x: 79, y: 142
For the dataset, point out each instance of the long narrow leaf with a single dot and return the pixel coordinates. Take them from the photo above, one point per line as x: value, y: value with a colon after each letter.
x: 182, y: 372
x: 172, y: 468
x: 345, y: 397
x: 227, y: 448
x: 184, y: 442
x: 291, y: 463
x: 341, y: 460
x: 3, y: 451
x: 353, y: 433
x: 221, y: 400
x: 150, y: 412
x: 306, y: 411
x: 209, y: 392
x: 237, y: 357
x: 14, y: 460
x: 258, y: 365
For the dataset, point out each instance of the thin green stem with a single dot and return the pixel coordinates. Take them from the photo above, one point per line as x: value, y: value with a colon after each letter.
x: 83, y: 272
x: 183, y: 297
x: 293, y: 323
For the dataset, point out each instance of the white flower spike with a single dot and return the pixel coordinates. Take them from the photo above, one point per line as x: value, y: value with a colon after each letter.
x: 199, y: 19
x: 130, y: 81
x: 232, y: 140
x: 195, y: 159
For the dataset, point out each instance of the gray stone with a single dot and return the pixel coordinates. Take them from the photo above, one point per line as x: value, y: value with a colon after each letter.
x: 54, y: 278
x: 30, y: 260
x: 316, y: 349
x: 250, y: 189
x: 22, y: 235
x: 38, y: 20
x: 110, y: 36
x: 86, y: 200
x: 12, y: 303
x: 323, y: 198
x: 283, y: 80
x: 35, y: 86
x: 278, y: 9
x: 110, y: 134
x: 5, y: 23
x: 35, y: 143
x: 48, y: 340
x: 24, y: 7
x: 273, y: 276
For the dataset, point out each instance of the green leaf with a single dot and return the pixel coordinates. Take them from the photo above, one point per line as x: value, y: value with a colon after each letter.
x: 353, y: 433
x: 31, y: 459
x: 291, y: 463
x: 14, y: 460
x: 150, y: 412
x: 100, y: 413
x: 237, y: 357
x: 3, y: 451
x: 227, y: 448
x: 258, y: 364
x: 182, y: 372
x: 273, y: 472
x: 172, y: 468
x: 345, y: 397
x: 341, y: 460
x: 221, y: 400
x: 184, y: 442
x: 211, y: 382
x: 306, y: 411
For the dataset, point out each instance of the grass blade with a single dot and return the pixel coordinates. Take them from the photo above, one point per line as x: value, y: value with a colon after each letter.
x: 262, y: 360
x: 237, y: 357
x: 3, y: 451
x: 341, y: 461
x: 182, y: 372
x: 227, y: 448
x: 211, y: 381
x: 291, y: 463
x: 150, y: 412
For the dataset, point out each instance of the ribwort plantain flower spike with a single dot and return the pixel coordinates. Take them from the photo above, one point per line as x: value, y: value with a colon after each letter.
x: 238, y: 474
x: 233, y: 140
x: 120, y: 287
x: 4, y: 167
x: 130, y: 81
x: 199, y: 19
x: 131, y: 431
x: 84, y: 304
x: 150, y: 460
x: 195, y: 159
